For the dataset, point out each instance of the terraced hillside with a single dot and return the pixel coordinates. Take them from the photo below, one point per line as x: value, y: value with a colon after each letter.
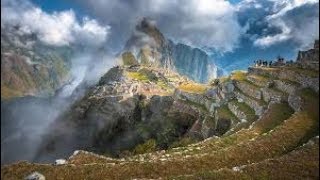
x: 260, y: 124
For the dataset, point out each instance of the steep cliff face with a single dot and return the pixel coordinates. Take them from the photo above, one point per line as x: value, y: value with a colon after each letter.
x: 29, y: 67
x: 150, y: 47
x: 193, y: 63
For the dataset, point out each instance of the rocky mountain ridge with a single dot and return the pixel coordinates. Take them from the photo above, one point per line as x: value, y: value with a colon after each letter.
x: 150, y: 46
x: 154, y: 123
x: 29, y: 67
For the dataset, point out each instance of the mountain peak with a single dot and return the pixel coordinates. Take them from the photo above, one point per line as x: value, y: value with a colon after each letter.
x: 146, y: 24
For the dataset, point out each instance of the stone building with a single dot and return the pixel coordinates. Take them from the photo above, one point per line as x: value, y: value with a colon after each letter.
x: 309, y: 58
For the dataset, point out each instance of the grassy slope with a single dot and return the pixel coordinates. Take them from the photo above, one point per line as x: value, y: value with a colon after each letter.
x: 270, y: 137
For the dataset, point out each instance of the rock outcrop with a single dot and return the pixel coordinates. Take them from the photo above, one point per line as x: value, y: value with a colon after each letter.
x: 128, y: 106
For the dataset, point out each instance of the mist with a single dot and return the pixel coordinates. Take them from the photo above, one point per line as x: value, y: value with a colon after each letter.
x: 25, y: 120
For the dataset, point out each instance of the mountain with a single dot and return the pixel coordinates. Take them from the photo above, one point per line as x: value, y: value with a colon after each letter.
x: 151, y: 123
x: 29, y: 67
x: 150, y: 46
x: 132, y: 105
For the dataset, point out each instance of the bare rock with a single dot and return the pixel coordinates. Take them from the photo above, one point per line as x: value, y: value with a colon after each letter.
x: 35, y: 176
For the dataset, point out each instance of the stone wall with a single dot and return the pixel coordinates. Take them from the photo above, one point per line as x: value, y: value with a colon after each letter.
x: 287, y: 87
x: 249, y: 89
x: 273, y: 95
x: 250, y: 102
x: 236, y: 111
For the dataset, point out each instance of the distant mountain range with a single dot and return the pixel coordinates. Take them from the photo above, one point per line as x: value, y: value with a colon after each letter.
x: 29, y: 67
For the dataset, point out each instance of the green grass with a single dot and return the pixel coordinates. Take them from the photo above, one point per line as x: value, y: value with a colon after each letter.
x: 274, y: 117
x: 307, y: 72
x: 224, y: 112
x: 192, y: 87
x: 199, y: 106
x: 258, y: 80
x: 302, y: 163
x: 311, y: 105
x: 146, y: 147
x: 238, y: 76
x: 243, y: 107
x: 137, y: 76
x: 182, y: 142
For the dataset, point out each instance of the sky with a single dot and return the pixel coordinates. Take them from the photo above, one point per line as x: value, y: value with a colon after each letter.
x: 234, y: 33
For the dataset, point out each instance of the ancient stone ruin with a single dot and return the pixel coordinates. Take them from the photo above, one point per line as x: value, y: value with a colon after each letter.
x: 309, y: 58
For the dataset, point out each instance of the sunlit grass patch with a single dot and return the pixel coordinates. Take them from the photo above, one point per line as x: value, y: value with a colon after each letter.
x: 238, y: 75
x: 137, y: 76
x: 193, y: 87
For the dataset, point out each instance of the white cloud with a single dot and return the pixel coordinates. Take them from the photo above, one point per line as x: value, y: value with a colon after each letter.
x: 211, y: 23
x: 57, y: 28
x: 297, y: 20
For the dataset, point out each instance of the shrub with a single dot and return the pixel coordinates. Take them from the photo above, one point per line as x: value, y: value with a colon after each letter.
x: 182, y: 142
x: 146, y: 147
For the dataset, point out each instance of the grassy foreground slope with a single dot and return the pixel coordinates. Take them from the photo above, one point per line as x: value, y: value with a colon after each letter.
x: 280, y: 144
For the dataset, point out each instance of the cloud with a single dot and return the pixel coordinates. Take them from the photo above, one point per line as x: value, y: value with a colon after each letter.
x: 57, y: 28
x: 200, y: 23
x: 296, y: 20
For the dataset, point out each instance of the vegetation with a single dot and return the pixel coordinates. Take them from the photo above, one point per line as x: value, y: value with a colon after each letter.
x: 243, y: 107
x: 129, y: 59
x: 269, y: 149
x: 224, y: 112
x: 308, y: 72
x: 7, y: 93
x: 146, y: 147
x: 192, y: 87
x: 149, y: 74
x: 224, y: 79
x: 137, y: 76
x: 238, y: 76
